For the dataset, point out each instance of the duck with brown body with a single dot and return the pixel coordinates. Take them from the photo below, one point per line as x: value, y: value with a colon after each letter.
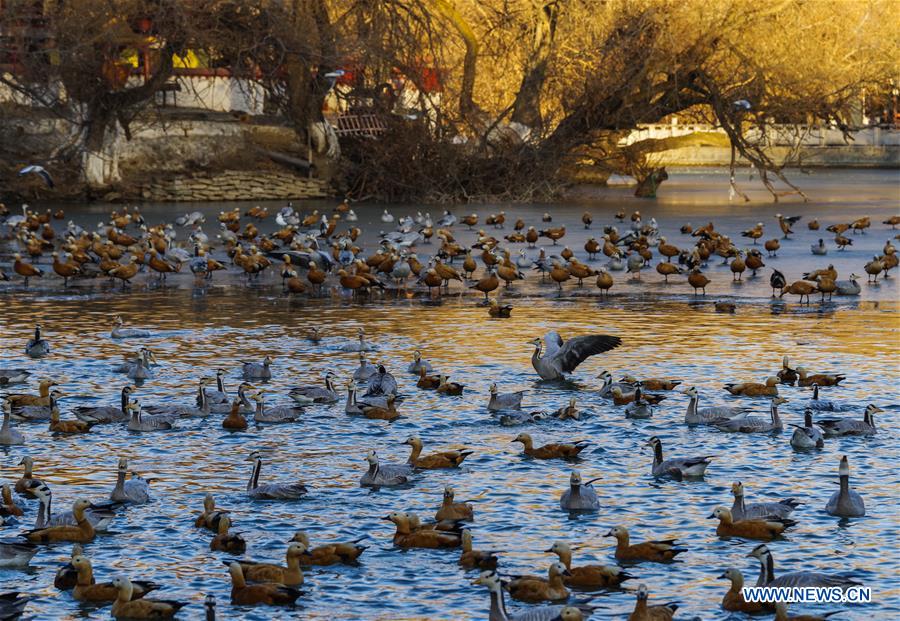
x: 656, y: 551
x: 346, y: 553
x: 290, y: 575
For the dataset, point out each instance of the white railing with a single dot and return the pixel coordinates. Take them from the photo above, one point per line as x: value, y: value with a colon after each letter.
x: 777, y: 135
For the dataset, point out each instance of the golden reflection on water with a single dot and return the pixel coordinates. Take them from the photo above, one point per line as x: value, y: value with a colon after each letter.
x: 516, y: 499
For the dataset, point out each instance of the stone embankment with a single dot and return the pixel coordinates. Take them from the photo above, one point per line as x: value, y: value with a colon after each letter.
x: 232, y: 185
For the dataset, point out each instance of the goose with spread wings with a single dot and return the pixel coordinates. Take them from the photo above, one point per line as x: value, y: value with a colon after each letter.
x: 561, y: 357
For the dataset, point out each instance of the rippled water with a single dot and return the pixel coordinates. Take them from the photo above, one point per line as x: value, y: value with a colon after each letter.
x: 516, y: 499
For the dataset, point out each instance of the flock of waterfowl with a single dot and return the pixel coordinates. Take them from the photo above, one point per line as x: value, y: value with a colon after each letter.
x: 316, y: 252
x: 559, y: 591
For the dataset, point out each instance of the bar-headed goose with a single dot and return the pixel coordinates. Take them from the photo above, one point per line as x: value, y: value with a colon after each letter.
x: 710, y: 415
x: 82, y: 532
x: 579, y: 496
x: 8, y: 435
x: 836, y: 427
x: 246, y: 406
x: 131, y: 360
x: 504, y: 400
x: 757, y: 510
x: 12, y: 605
x: 379, y: 408
x: 219, y: 394
x: 38, y: 413
x: 755, y: 424
x: 677, y: 468
x: 13, y: 376
x: 381, y: 383
x: 257, y: 370
x: 140, y: 371
x: 640, y: 408
x: 99, y: 517
x: 823, y: 405
x: 316, y: 394
x: 498, y: 611
x: 142, y: 422
x: 16, y: 553
x: 796, y: 578
x: 807, y: 436
x: 415, y: 367
x: 848, y: 287
x: 107, y: 413
x: 605, y: 389
x: 384, y: 475
x: 271, y: 491
x: 37, y: 346
x: 781, y: 614
x: 561, y: 357
x: 365, y: 370
x: 119, y: 330
x: 360, y: 344
x: 274, y: 414
x: 173, y: 410
x: 135, y: 491
x: 845, y: 502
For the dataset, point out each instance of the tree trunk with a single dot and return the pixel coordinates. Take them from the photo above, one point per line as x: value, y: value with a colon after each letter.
x: 467, y: 106
x: 527, y: 107
x: 647, y: 185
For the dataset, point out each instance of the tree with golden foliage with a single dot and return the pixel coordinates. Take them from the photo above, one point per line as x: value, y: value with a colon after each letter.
x: 536, y: 94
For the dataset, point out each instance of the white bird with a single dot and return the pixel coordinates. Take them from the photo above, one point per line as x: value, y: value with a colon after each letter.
x: 742, y: 103
x: 386, y: 217
x: 351, y: 216
x: 38, y: 170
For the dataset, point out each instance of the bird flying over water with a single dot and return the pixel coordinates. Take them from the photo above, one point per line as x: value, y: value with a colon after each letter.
x: 38, y: 170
